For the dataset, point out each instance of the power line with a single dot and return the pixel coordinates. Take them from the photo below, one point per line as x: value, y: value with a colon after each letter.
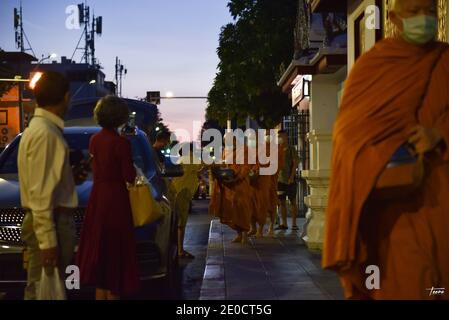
x: 77, y: 46
x: 198, y: 98
x: 29, y: 44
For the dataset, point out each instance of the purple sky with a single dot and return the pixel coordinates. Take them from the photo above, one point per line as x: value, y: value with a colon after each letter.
x: 166, y: 45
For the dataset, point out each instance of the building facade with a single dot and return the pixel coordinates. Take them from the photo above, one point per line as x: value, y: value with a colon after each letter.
x: 314, y: 81
x: 17, y: 105
x: 366, y: 23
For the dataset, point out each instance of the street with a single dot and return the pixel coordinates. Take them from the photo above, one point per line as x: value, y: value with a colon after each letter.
x: 190, y: 272
x: 266, y: 269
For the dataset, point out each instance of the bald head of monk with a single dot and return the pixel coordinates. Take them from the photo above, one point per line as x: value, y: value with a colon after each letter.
x: 415, y: 19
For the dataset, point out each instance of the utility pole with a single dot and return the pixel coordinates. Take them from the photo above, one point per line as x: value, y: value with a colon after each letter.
x: 120, y: 70
x: 20, y: 36
x: 92, y: 42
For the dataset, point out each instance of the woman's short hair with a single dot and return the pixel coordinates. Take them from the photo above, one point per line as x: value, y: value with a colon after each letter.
x: 111, y: 112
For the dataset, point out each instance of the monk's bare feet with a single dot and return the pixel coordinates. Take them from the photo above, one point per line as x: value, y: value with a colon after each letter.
x: 237, y: 239
x: 244, y: 238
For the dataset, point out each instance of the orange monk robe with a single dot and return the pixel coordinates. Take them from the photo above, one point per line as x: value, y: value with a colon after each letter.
x: 233, y: 203
x: 407, y: 239
x: 266, y: 191
x: 257, y: 190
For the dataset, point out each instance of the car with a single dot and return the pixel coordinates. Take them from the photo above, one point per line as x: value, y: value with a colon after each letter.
x: 81, y: 111
x: 156, y: 242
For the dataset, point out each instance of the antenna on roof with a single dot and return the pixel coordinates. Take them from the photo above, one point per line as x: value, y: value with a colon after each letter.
x: 120, y: 70
x: 92, y: 26
x: 20, y: 35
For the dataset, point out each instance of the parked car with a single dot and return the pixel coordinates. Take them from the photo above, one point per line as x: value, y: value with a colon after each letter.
x: 81, y: 111
x: 156, y: 243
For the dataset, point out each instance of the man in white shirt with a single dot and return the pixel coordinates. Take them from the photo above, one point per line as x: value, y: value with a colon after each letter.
x: 47, y: 185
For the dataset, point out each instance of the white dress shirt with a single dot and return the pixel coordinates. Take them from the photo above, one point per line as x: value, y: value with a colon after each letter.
x: 45, y: 175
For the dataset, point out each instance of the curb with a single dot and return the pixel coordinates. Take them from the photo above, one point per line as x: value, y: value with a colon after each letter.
x: 214, y: 286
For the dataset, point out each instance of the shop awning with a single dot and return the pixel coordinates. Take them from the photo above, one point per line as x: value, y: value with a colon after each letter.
x: 330, y: 60
x: 295, y: 69
x: 326, y: 61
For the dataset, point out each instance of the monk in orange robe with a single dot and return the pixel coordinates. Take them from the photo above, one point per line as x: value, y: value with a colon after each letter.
x: 259, y: 189
x: 231, y: 202
x: 382, y: 108
x: 264, y: 189
x: 269, y: 185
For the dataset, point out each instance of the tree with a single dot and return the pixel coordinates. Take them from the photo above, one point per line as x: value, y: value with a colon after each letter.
x: 251, y: 51
x: 210, y: 124
x: 159, y: 126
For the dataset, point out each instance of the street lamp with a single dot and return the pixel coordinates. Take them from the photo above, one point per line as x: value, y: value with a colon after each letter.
x: 91, y: 82
x: 51, y: 56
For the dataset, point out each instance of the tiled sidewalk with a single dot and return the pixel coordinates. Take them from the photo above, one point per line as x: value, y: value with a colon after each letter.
x: 278, y: 268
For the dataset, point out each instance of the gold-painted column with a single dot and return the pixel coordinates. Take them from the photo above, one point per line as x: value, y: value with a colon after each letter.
x: 442, y: 20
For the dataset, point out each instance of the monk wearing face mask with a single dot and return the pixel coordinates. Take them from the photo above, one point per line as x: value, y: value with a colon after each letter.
x: 396, y: 94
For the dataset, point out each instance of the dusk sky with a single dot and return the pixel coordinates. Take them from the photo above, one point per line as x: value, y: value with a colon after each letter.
x: 166, y: 45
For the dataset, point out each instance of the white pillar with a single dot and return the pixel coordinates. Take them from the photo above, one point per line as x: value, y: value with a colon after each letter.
x: 325, y: 95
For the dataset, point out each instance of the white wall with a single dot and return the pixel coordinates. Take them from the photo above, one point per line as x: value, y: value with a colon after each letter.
x: 326, y: 93
x: 324, y: 106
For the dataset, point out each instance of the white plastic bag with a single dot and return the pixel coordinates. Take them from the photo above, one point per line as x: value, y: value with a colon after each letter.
x: 51, y: 287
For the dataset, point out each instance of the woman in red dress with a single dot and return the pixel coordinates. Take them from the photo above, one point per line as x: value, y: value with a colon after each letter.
x: 107, y: 251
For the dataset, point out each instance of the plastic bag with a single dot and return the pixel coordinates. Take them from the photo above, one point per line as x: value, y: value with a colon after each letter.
x: 50, y: 287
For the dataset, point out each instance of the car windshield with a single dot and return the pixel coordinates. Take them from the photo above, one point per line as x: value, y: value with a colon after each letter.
x: 79, y: 149
x: 78, y: 145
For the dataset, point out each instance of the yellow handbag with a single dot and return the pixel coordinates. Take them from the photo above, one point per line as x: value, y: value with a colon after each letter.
x: 145, y: 208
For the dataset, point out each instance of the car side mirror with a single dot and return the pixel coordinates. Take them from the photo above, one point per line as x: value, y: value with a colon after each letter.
x: 173, y: 171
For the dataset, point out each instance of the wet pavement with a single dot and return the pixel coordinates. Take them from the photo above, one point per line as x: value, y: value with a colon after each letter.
x: 279, y: 268
x: 196, y: 242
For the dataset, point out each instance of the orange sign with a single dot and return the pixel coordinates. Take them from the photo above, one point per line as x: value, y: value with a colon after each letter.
x: 9, y: 124
x: 9, y: 117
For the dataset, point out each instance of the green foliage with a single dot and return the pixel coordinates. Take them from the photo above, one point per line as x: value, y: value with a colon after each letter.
x: 159, y: 126
x: 251, y: 51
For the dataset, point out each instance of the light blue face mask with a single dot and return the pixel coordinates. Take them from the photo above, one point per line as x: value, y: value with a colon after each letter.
x: 420, y: 30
